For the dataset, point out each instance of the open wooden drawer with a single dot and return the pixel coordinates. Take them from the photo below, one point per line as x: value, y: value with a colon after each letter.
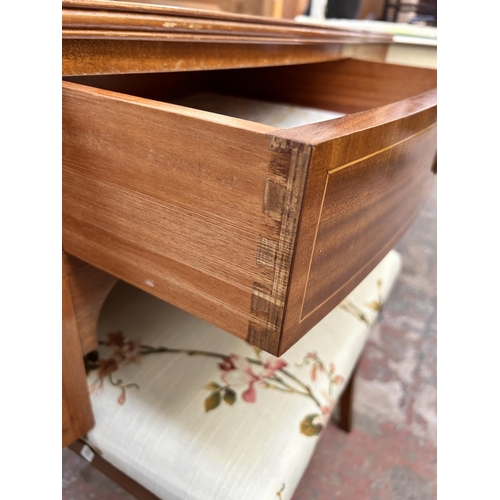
x: 259, y: 230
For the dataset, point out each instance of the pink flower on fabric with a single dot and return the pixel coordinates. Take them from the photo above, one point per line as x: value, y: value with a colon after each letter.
x: 312, y: 355
x: 271, y: 367
x: 250, y: 395
x: 316, y: 367
x: 122, y: 398
x: 237, y: 378
x: 325, y: 409
x: 116, y: 339
x: 226, y: 365
x: 320, y: 419
x: 238, y: 373
x: 106, y: 367
x: 132, y: 352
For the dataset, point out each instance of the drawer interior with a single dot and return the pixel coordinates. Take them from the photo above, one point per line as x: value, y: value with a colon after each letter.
x: 274, y: 114
x: 279, y: 97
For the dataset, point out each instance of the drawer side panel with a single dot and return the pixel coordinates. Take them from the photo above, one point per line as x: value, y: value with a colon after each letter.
x: 185, y: 208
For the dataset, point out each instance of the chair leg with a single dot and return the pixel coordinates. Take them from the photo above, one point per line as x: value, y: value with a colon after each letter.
x: 346, y: 403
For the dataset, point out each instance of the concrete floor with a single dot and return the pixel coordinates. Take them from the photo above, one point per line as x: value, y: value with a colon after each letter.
x: 391, y: 452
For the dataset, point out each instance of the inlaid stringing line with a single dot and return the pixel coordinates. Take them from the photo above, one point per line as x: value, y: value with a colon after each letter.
x: 333, y: 170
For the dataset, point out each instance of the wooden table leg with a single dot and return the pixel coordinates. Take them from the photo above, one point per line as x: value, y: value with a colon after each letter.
x: 77, y: 417
x: 89, y: 288
x: 84, y: 290
x: 346, y: 403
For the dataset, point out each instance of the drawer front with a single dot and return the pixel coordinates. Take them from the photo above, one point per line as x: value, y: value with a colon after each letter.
x: 364, y: 190
x: 365, y: 204
x: 257, y: 230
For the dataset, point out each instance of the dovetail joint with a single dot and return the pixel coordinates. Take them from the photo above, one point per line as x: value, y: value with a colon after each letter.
x: 266, y: 252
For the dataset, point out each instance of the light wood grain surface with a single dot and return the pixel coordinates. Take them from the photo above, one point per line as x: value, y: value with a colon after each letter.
x: 124, y: 37
x: 105, y: 20
x: 121, y: 16
x: 109, y: 56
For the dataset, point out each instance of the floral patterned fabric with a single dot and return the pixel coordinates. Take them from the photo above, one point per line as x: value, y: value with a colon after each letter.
x: 194, y: 413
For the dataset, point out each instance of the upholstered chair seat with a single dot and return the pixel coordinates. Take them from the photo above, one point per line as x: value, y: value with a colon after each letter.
x: 191, y: 412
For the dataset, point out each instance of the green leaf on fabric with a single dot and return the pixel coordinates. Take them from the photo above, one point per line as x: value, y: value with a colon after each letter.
x: 212, y: 401
x: 229, y: 396
x: 308, y: 428
x: 212, y: 386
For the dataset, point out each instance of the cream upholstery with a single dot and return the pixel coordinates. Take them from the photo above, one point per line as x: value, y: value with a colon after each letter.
x: 226, y: 422
x: 275, y: 114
